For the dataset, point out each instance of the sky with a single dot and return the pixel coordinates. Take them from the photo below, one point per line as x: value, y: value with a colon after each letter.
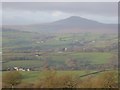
x: 23, y: 13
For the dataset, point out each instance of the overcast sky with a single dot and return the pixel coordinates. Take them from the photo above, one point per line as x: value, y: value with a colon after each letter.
x: 22, y: 13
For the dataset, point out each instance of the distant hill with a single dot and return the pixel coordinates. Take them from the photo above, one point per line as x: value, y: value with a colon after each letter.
x: 72, y: 24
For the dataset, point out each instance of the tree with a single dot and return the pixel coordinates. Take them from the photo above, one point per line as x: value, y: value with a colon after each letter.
x: 51, y: 79
x: 12, y: 78
x: 105, y: 80
x: 110, y: 79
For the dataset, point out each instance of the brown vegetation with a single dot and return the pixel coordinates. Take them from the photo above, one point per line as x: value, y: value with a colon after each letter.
x: 11, y: 79
x: 52, y: 80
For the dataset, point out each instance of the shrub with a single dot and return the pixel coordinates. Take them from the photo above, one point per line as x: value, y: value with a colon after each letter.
x: 12, y: 78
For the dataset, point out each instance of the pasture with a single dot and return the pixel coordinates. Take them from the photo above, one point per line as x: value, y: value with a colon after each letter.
x: 59, y: 59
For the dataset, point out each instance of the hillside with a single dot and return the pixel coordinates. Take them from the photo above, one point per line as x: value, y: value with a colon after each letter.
x: 72, y: 24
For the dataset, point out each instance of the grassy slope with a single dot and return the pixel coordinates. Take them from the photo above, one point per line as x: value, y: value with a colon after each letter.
x: 20, y: 39
x: 60, y: 59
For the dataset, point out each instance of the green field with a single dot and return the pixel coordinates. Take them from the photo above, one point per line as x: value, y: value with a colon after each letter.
x: 59, y: 59
x: 84, y: 50
x: 30, y: 76
x: 21, y: 40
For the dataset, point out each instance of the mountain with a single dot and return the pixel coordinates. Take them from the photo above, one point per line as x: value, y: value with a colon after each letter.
x: 72, y: 24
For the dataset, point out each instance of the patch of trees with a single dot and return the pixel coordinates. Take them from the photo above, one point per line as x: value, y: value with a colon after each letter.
x: 11, y: 79
x: 51, y: 79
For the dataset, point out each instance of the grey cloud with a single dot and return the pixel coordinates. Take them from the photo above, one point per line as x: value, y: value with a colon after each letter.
x: 98, y: 8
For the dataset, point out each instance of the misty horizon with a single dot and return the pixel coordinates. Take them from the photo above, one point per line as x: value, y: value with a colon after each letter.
x: 59, y: 20
x: 34, y: 13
